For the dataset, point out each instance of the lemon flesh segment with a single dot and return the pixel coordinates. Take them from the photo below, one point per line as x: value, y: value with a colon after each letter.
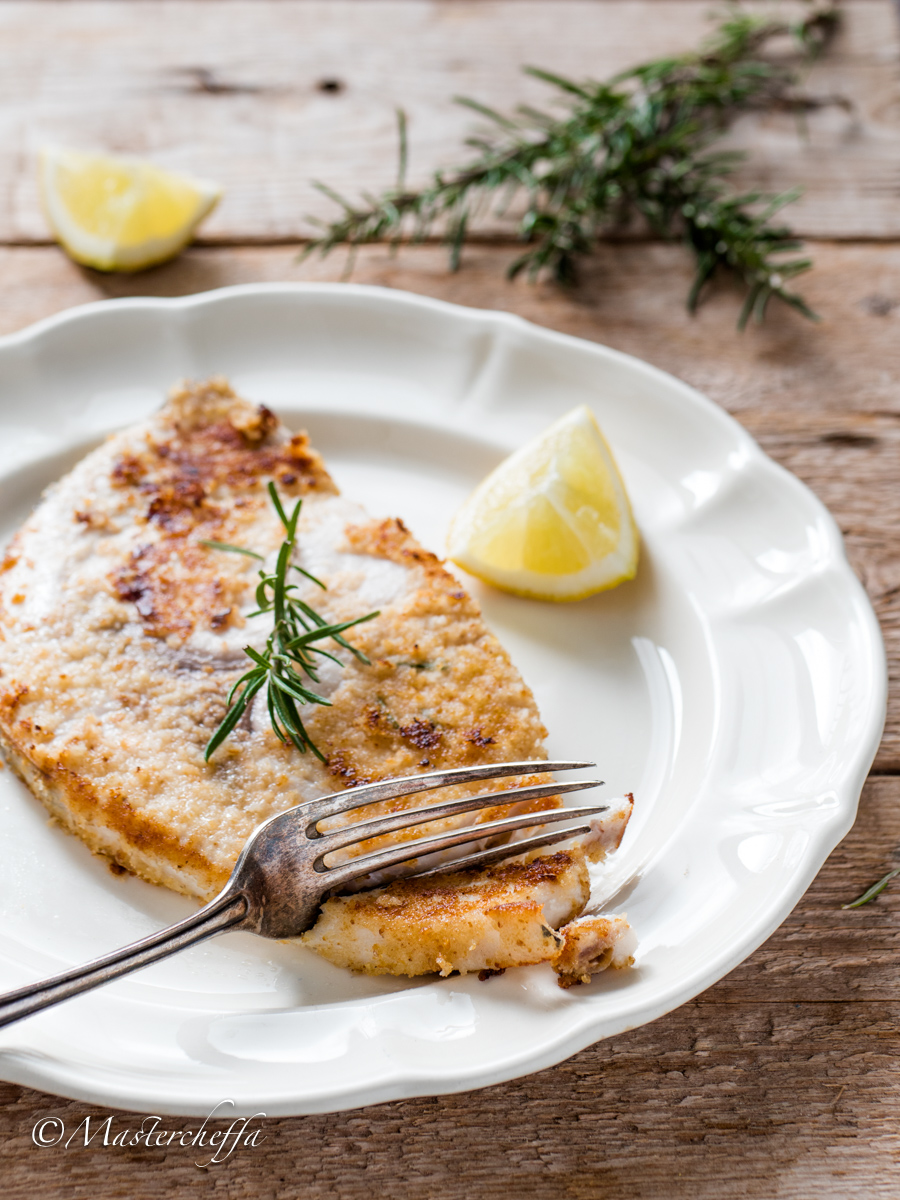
x: 120, y: 214
x: 553, y: 521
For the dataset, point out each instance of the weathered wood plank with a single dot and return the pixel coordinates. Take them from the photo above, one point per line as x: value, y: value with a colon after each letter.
x: 763, y: 1087
x: 264, y: 95
x: 798, y: 1104
x: 822, y: 399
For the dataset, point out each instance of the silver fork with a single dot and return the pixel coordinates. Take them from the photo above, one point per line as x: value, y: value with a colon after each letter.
x: 281, y: 878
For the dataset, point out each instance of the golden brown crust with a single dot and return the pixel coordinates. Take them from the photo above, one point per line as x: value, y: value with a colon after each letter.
x: 423, y: 901
x: 128, y: 839
x: 201, y: 476
x: 153, y: 579
x: 391, y: 539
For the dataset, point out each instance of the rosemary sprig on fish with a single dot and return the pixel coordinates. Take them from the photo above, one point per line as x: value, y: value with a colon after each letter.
x: 291, y: 645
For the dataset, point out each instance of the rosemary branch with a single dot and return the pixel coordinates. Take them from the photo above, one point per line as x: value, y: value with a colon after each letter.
x: 635, y: 146
x: 290, y: 645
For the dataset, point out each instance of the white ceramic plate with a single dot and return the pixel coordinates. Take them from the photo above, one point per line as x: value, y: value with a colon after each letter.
x: 737, y: 687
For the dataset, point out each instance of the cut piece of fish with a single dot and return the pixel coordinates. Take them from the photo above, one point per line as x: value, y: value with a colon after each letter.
x: 518, y: 913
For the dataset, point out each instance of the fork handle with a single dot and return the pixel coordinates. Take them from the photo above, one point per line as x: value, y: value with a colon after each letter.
x: 224, y: 912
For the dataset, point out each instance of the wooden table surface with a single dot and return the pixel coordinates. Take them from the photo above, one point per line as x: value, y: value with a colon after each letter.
x: 780, y: 1081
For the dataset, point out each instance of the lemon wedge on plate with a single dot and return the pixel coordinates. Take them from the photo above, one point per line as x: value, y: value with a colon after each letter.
x: 553, y: 521
x: 120, y: 214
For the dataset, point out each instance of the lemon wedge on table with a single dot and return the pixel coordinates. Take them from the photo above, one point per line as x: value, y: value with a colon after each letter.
x: 553, y: 521
x: 120, y: 214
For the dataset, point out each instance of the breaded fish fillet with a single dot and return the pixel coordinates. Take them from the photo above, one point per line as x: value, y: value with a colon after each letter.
x: 121, y: 634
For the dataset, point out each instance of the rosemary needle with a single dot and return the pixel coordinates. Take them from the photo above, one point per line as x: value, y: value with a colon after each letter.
x: 287, y: 662
x: 875, y: 890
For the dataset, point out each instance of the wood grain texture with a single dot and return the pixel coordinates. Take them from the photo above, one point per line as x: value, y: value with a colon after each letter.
x: 821, y: 398
x: 265, y: 95
x: 779, y: 1082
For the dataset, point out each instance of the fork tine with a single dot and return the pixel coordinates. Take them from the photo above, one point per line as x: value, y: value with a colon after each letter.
x: 339, y: 875
x: 390, y: 789
x: 340, y: 838
x: 484, y: 858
